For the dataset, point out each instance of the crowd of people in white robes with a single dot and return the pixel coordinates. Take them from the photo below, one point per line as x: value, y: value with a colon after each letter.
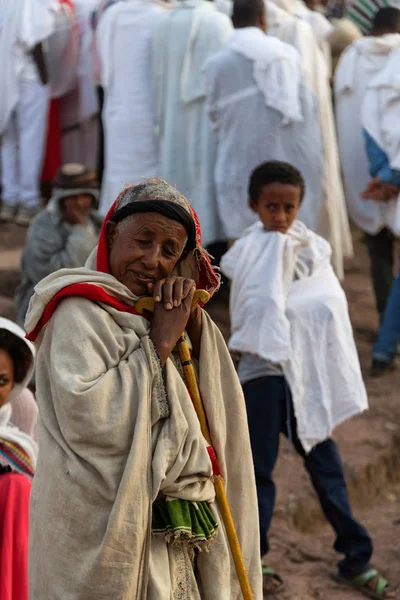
x: 187, y: 95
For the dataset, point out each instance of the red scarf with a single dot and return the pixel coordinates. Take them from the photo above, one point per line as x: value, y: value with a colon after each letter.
x: 208, y: 279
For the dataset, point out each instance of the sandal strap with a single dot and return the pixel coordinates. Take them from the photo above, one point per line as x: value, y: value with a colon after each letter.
x: 265, y: 570
x: 366, y: 577
x: 268, y: 571
x: 381, y: 585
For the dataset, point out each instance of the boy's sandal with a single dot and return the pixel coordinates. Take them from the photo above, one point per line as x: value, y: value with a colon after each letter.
x: 360, y: 582
x: 274, y: 578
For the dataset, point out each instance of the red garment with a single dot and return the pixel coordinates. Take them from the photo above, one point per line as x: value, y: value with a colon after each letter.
x: 207, y: 278
x: 52, y: 159
x: 15, y: 491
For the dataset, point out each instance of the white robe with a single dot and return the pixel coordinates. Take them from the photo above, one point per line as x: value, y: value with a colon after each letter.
x: 124, y: 37
x: 360, y: 63
x: 321, y: 27
x: 288, y: 307
x: 185, y: 38
x: 224, y: 6
x: 23, y: 25
x: 334, y: 224
x: 380, y: 117
x: 262, y: 111
x: 80, y: 107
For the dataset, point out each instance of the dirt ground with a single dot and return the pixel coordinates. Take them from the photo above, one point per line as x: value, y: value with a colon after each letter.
x: 301, y: 542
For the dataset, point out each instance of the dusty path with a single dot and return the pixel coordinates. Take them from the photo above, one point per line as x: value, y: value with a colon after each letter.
x: 370, y: 446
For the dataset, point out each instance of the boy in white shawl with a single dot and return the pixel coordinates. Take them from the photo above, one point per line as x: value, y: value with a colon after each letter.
x: 299, y: 366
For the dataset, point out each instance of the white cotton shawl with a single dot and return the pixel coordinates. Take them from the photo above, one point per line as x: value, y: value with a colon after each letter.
x: 111, y: 440
x: 320, y: 25
x: 357, y: 68
x: 182, y: 42
x: 23, y: 25
x: 234, y: 97
x: 131, y: 146
x: 288, y: 307
x: 275, y: 66
x: 8, y: 430
x: 333, y: 222
x: 224, y: 6
x: 380, y: 114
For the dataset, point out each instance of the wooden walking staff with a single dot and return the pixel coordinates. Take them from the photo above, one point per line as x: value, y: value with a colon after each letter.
x: 147, y: 304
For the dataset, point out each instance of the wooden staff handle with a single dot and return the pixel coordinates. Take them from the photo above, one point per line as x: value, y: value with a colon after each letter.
x: 147, y: 304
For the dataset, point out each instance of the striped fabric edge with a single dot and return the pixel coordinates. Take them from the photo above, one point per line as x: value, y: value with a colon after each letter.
x: 13, y: 455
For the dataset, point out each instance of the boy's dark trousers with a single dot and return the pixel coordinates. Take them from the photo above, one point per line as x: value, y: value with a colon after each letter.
x: 270, y: 412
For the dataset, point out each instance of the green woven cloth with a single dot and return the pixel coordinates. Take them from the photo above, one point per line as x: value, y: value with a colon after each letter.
x: 176, y: 519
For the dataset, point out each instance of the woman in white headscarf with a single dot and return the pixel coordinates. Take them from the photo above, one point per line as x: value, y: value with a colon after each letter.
x: 18, y: 454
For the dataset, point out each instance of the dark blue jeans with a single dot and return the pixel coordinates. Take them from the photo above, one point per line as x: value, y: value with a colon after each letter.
x: 270, y: 412
x: 385, y: 348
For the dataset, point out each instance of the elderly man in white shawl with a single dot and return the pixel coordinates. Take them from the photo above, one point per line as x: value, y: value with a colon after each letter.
x: 123, y: 501
x: 299, y: 366
x: 262, y: 109
x: 183, y: 40
x: 361, y: 62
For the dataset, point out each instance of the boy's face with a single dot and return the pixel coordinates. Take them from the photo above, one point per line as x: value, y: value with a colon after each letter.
x: 277, y: 206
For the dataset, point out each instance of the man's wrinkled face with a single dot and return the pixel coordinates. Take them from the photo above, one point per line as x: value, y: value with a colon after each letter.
x: 143, y: 249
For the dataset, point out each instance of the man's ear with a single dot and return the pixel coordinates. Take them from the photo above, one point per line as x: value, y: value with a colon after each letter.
x: 252, y: 205
x: 112, y: 232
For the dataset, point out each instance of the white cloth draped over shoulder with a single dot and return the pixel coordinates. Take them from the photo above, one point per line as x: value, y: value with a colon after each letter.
x: 18, y: 425
x: 259, y: 75
x: 320, y: 25
x: 358, y: 66
x: 62, y: 51
x: 184, y: 39
x: 224, y: 6
x: 333, y: 221
x: 23, y: 25
x: 380, y: 117
x: 124, y: 39
x: 116, y: 431
x: 287, y: 306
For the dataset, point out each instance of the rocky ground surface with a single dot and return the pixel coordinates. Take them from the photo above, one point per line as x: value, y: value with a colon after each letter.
x: 301, y: 542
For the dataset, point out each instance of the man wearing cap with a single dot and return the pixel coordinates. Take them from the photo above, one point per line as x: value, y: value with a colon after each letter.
x: 63, y: 234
